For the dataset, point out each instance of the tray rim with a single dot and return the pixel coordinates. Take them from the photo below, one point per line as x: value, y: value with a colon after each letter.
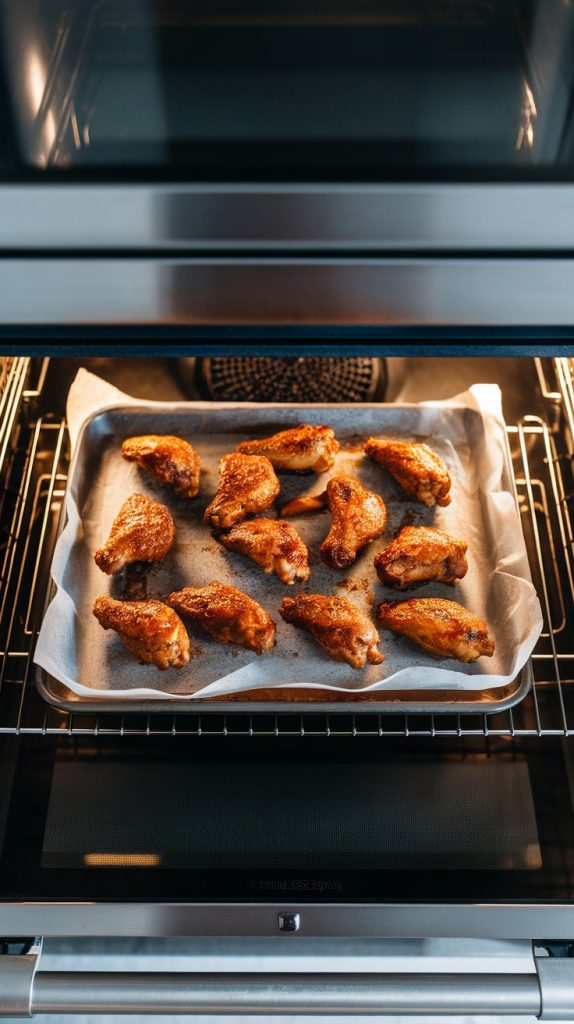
x: 59, y: 696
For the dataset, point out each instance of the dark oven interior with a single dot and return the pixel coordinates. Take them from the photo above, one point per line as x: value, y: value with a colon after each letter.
x: 153, y: 806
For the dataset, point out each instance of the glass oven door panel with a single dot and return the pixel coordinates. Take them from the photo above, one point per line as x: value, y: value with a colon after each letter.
x: 310, y: 90
x: 329, y: 820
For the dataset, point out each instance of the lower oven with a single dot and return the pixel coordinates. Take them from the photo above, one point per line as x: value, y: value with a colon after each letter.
x: 266, y: 862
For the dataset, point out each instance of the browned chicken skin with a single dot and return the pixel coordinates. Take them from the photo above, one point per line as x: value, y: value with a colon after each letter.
x: 419, y: 554
x: 302, y: 448
x: 358, y: 516
x: 342, y: 630
x: 247, y: 485
x: 149, y: 629
x: 171, y: 460
x: 419, y: 470
x: 444, y: 628
x: 273, y: 544
x: 227, y: 614
x: 143, y: 531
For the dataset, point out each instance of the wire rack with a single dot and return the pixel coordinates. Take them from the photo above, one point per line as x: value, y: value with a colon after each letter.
x: 543, y: 453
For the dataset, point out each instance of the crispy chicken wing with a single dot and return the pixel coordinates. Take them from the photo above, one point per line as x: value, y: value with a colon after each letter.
x: 305, y: 503
x: 358, y: 516
x: 227, y: 614
x: 342, y: 630
x: 301, y: 448
x: 444, y: 628
x: 171, y: 460
x: 419, y: 470
x: 143, y: 531
x: 419, y: 554
x: 149, y: 629
x: 273, y: 544
x: 247, y: 485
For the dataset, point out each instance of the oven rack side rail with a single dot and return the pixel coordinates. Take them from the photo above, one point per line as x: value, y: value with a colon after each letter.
x: 543, y: 467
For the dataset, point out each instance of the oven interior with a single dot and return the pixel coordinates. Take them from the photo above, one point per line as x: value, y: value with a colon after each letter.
x: 306, y: 91
x: 472, y: 807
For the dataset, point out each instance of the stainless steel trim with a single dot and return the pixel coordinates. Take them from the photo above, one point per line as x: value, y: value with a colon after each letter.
x: 327, y: 920
x: 556, y: 976
x: 16, y: 982
x: 461, y: 292
x: 84, y: 992
x: 290, y: 217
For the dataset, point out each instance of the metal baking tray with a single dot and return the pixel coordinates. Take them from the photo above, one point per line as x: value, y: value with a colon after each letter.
x: 122, y: 421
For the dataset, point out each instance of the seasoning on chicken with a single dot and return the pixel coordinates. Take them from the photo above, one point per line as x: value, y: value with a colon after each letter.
x: 247, y: 486
x: 143, y: 531
x: 171, y: 460
x: 305, y: 503
x: 342, y: 630
x: 358, y: 516
x: 418, y: 470
x: 444, y: 628
x: 302, y: 448
x: 420, y: 554
x: 149, y: 629
x: 274, y: 545
x: 227, y: 614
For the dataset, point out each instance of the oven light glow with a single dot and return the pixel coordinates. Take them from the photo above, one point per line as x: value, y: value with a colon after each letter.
x: 122, y: 860
x: 36, y: 77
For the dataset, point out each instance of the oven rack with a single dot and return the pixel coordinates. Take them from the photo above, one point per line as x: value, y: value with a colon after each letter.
x: 35, y: 488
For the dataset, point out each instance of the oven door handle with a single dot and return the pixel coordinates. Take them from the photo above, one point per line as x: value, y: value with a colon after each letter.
x: 80, y: 992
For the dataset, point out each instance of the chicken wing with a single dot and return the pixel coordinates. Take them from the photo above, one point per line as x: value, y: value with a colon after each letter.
x: 305, y: 503
x: 143, y: 531
x: 171, y: 460
x: 419, y: 470
x: 149, y: 629
x: 227, y: 614
x: 419, y: 554
x: 273, y: 544
x: 444, y: 628
x: 342, y: 630
x: 301, y: 448
x: 358, y: 516
x: 247, y: 485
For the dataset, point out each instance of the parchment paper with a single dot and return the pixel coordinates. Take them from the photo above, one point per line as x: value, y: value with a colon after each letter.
x: 468, y: 432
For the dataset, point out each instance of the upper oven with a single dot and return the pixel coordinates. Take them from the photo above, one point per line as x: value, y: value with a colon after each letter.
x: 373, y: 163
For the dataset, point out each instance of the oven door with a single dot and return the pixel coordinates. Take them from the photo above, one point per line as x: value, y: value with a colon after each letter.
x: 326, y: 163
x: 323, y: 846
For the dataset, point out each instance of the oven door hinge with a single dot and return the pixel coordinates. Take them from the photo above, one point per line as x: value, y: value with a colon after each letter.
x: 554, y: 963
x: 19, y: 959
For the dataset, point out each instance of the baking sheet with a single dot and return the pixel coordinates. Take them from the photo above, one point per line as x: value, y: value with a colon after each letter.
x: 468, y: 433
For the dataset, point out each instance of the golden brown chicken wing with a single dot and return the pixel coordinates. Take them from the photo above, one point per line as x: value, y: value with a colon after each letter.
x: 143, y: 531
x: 305, y: 503
x: 358, y: 516
x: 171, y: 460
x: 419, y: 470
x: 227, y: 614
x: 419, y: 554
x: 444, y: 628
x: 301, y: 448
x: 342, y: 630
x: 149, y: 629
x: 247, y: 485
x: 273, y: 544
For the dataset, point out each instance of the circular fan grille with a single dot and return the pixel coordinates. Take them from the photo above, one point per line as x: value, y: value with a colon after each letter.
x: 306, y: 379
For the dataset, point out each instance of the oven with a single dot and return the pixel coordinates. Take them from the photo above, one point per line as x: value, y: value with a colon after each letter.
x: 315, y: 202
x: 263, y: 861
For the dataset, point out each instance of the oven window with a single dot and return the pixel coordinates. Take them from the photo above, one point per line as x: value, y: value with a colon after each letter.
x: 293, y: 89
x: 332, y: 820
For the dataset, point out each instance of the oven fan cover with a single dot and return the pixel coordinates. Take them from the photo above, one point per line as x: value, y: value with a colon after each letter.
x: 304, y: 379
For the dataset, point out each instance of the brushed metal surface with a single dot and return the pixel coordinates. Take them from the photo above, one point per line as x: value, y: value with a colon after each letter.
x: 328, y: 920
x: 289, y: 217
x: 141, y: 291
x: 278, y: 994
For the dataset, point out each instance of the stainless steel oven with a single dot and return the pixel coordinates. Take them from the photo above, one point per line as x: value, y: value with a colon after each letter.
x: 334, y: 202
x: 287, y: 862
